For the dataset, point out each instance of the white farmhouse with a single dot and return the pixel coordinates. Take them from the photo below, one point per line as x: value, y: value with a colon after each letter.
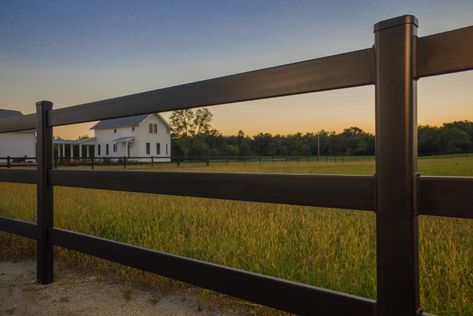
x: 143, y: 136
x: 17, y: 144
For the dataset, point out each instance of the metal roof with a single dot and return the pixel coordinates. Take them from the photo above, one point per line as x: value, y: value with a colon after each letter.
x: 124, y: 139
x: 85, y: 141
x: 126, y: 122
x: 120, y: 122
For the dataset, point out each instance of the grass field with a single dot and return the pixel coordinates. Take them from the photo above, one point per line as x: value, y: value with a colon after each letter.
x: 325, y: 247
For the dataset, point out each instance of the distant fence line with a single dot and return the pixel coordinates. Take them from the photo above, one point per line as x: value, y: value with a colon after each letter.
x: 178, y: 160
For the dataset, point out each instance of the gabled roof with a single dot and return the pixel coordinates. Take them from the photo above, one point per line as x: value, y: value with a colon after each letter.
x: 120, y: 122
x: 9, y: 113
x: 85, y: 141
x: 124, y: 139
x: 128, y: 121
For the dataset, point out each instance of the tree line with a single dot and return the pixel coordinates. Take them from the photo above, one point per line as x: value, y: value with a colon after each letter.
x: 193, y: 136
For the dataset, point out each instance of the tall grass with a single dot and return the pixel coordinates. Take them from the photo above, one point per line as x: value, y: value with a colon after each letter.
x: 325, y: 247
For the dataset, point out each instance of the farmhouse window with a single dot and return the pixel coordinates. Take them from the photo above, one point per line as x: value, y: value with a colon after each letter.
x: 98, y: 150
x: 115, y: 148
x: 155, y: 128
x: 158, y: 149
x: 106, y: 149
x: 151, y: 128
x: 148, y: 148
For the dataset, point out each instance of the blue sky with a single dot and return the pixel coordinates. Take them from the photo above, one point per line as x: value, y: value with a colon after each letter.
x: 71, y: 52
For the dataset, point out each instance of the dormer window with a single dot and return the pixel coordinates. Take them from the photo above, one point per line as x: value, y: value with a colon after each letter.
x: 155, y: 128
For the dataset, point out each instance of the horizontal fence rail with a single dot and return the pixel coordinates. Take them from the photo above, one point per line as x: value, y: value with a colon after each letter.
x: 446, y: 196
x: 310, y: 190
x: 441, y: 53
x: 438, y: 196
x: 18, y: 123
x: 397, y: 194
x: 334, y: 72
x: 19, y: 227
x: 444, y: 53
x: 285, y: 295
x: 19, y: 175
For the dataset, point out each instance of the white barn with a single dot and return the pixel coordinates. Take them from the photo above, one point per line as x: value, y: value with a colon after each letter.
x: 17, y: 144
x: 147, y: 135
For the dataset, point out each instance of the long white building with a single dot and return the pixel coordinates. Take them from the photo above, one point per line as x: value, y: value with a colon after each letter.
x: 142, y: 136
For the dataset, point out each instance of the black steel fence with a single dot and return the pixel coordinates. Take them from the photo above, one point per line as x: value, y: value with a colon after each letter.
x: 397, y: 193
x: 127, y: 161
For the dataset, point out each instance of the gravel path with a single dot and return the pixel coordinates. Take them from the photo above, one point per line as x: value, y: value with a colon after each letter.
x: 79, y: 293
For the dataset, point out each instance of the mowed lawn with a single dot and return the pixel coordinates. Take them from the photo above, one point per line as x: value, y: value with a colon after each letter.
x: 329, y: 248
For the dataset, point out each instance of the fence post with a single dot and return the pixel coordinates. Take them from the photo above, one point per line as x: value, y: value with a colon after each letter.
x: 124, y: 162
x: 92, y: 163
x: 44, y: 193
x: 396, y: 167
x: 152, y: 161
x: 8, y: 162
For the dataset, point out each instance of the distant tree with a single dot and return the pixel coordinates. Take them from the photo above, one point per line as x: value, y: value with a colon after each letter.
x: 452, y: 140
x: 202, y: 119
x: 194, y: 136
x: 190, y: 123
x: 427, y: 136
x: 466, y: 126
x: 443, y: 140
x: 182, y: 122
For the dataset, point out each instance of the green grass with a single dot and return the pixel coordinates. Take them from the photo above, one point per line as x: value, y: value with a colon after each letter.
x: 325, y: 247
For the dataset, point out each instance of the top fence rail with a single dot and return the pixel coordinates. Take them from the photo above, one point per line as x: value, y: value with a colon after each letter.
x: 437, y: 54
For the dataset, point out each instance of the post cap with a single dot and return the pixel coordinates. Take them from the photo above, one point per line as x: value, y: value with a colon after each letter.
x: 44, y: 103
x: 400, y: 20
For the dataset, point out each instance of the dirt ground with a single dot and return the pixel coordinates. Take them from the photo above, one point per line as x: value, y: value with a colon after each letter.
x: 80, y: 293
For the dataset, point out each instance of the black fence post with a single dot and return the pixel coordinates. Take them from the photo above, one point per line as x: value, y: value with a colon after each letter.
x: 152, y: 161
x: 178, y: 161
x: 92, y: 163
x: 207, y: 161
x: 44, y: 193
x: 8, y: 162
x: 124, y: 162
x: 396, y: 167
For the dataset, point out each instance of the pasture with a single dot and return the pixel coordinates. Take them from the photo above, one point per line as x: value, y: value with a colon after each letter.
x: 329, y: 248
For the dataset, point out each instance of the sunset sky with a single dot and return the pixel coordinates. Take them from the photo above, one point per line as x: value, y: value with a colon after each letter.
x: 73, y: 52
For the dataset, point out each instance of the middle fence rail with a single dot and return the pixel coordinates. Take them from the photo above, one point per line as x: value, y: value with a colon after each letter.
x: 397, y: 60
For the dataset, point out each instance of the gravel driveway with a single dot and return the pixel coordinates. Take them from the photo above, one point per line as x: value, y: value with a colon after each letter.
x: 79, y: 293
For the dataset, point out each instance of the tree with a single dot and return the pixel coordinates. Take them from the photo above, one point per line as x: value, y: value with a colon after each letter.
x: 452, y: 140
x: 190, y: 123
x: 201, y: 121
x: 182, y: 122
